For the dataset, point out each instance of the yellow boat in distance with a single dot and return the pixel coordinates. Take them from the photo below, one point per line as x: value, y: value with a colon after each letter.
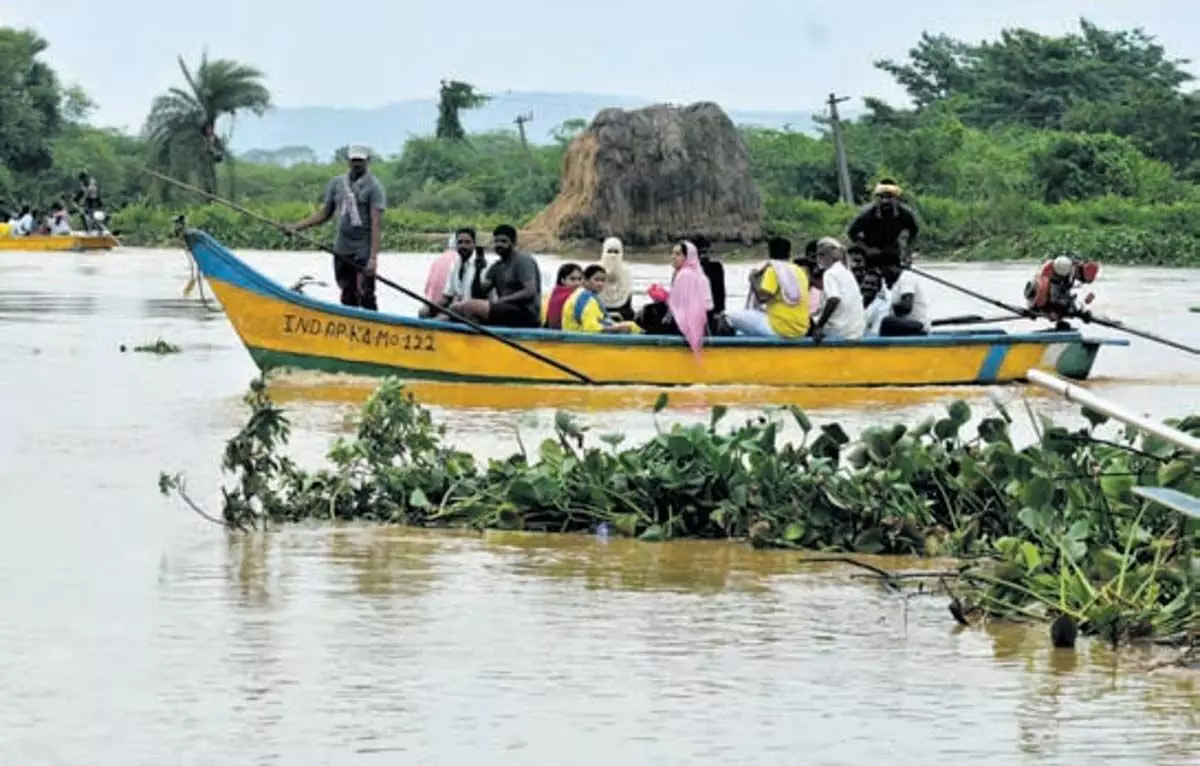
x: 285, y: 329
x: 59, y: 242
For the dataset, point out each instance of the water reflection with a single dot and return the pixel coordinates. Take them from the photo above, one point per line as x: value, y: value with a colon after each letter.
x: 384, y: 561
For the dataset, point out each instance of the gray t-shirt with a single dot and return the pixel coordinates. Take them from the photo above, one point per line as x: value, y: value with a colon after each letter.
x: 369, y: 195
x: 509, y: 276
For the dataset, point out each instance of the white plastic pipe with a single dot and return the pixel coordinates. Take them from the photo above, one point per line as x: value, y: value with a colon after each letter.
x: 1082, y: 396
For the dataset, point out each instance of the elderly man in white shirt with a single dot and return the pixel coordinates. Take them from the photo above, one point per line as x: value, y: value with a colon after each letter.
x: 842, y: 305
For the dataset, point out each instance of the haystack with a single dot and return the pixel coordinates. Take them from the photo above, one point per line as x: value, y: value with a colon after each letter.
x: 654, y: 175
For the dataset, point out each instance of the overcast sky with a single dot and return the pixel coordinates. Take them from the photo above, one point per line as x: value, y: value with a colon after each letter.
x: 747, y: 54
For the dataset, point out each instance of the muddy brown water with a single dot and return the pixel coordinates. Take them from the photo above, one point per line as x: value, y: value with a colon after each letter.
x: 134, y: 633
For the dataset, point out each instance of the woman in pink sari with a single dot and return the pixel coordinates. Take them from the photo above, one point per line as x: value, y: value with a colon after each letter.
x: 684, y: 309
x: 439, y: 272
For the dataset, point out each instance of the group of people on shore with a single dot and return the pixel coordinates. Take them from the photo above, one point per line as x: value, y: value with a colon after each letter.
x: 27, y: 220
x: 831, y: 291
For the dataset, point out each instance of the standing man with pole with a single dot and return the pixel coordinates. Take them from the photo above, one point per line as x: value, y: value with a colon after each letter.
x: 359, y: 200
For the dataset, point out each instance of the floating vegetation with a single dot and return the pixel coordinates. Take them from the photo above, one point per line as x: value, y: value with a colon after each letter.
x: 1046, y: 531
x: 159, y: 346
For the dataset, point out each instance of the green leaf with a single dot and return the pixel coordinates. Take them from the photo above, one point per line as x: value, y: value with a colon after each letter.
x: 660, y: 403
x: 993, y: 430
x: 625, y: 523
x: 417, y: 499
x: 801, y: 418
x: 1157, y: 446
x: 653, y: 534
x: 946, y: 428
x: 959, y: 412
x: 1031, y: 556
x: 1037, y: 492
x: 1094, y: 417
x: 1174, y: 472
x: 794, y: 531
x: 1116, y: 487
x: 718, y: 412
x: 680, y: 445
x: 870, y: 541
x: 836, y: 434
x: 1080, y: 530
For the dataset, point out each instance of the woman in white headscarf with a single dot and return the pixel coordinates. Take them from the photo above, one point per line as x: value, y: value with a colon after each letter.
x: 617, y: 295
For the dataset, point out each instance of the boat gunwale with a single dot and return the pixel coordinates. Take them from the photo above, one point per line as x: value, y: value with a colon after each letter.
x: 255, y: 281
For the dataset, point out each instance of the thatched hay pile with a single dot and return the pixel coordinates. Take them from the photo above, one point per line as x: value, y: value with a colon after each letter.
x: 653, y: 175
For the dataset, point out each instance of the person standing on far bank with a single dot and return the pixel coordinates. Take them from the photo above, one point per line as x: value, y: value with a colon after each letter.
x: 358, y: 200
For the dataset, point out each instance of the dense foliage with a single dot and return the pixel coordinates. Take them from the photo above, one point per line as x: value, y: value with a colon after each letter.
x: 1056, y: 523
x: 1024, y: 146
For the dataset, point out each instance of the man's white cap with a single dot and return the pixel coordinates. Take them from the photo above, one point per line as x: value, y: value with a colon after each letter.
x: 358, y: 153
x: 1063, y: 265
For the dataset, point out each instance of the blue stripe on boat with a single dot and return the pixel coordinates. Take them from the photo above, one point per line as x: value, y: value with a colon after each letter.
x: 990, y: 369
x: 216, y: 262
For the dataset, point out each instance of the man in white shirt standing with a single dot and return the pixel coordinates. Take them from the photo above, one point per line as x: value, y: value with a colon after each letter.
x: 842, y: 308
x: 910, y: 309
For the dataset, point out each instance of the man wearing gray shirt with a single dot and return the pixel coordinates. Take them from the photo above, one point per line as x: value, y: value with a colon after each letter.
x: 358, y: 200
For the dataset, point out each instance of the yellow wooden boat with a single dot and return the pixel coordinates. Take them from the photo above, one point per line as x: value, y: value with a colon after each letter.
x: 59, y: 242
x: 283, y: 328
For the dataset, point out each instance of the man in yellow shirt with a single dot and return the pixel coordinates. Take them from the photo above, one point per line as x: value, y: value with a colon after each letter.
x: 583, y: 311
x: 777, y: 305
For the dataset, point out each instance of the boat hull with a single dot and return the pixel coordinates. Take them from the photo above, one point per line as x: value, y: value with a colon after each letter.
x: 59, y: 243
x: 282, y: 328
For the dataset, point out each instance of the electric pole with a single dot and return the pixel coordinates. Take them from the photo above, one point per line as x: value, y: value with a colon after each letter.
x: 839, y: 147
x: 520, y: 120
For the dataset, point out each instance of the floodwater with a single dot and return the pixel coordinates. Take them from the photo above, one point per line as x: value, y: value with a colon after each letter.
x: 135, y: 633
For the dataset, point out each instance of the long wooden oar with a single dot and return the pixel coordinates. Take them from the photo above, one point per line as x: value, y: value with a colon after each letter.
x: 978, y: 296
x: 1114, y: 324
x: 970, y: 319
x: 378, y: 277
x: 1111, y: 323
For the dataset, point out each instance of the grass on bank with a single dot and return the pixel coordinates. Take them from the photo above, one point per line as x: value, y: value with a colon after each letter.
x: 1112, y: 230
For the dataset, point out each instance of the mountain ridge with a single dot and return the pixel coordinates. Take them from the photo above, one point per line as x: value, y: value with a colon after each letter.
x: 385, y: 128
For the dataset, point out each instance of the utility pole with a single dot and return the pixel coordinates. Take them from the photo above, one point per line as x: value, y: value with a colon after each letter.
x: 839, y: 146
x: 520, y: 120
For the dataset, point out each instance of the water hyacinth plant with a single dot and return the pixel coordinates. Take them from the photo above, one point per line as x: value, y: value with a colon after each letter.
x: 1043, y: 530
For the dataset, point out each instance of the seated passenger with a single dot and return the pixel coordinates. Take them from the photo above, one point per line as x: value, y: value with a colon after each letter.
x: 808, y: 262
x: 60, y: 222
x: 841, y: 316
x: 570, y: 277
x: 463, y: 280
x: 439, y: 271
x: 617, y: 295
x: 714, y: 271
x: 515, y: 284
x: 876, y: 302
x: 25, y: 223
x: 909, y: 313
x: 777, y: 305
x: 684, y: 309
x: 583, y: 311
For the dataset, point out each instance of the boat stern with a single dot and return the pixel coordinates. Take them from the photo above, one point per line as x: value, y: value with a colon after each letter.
x: 1074, y: 360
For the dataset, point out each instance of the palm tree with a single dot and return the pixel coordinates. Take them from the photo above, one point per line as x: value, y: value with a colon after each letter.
x: 181, y: 126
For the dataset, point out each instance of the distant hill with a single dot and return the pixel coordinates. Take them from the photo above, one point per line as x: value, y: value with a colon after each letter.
x: 323, y: 129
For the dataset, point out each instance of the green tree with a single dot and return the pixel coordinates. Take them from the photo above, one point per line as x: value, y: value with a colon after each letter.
x: 1091, y: 80
x: 181, y: 127
x: 30, y: 103
x: 454, y: 97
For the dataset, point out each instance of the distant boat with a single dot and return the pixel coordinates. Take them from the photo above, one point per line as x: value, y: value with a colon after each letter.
x: 59, y: 242
x: 283, y: 328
